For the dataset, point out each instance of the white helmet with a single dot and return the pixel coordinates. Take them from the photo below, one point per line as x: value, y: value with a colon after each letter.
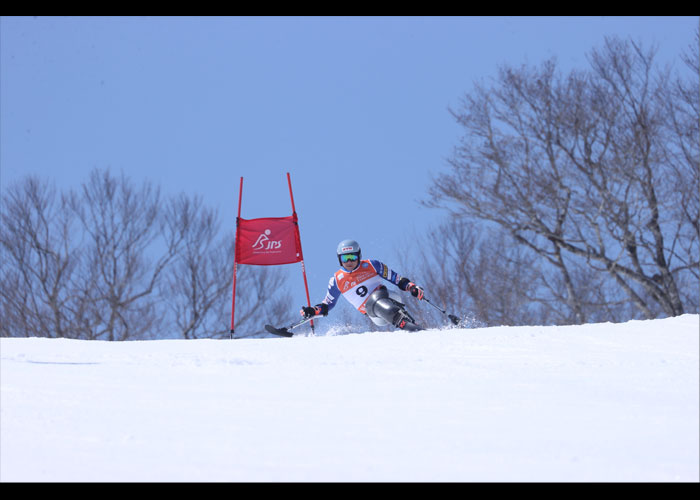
x: 349, y: 248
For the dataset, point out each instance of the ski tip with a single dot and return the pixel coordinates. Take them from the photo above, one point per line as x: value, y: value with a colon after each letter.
x: 282, y: 332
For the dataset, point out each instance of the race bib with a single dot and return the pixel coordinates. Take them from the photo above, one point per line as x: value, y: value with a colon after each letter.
x: 358, y: 285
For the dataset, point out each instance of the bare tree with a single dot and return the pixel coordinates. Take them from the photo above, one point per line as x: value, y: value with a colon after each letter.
x: 481, y: 275
x: 115, y: 261
x: 682, y: 155
x: 129, y: 240
x: 475, y: 275
x: 39, y: 257
x: 577, y: 169
x: 193, y: 286
x: 198, y: 285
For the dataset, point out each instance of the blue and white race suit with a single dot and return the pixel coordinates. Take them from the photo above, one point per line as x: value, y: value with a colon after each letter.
x: 357, y: 285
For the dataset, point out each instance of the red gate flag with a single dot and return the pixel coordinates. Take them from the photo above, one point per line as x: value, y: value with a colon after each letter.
x: 268, y: 241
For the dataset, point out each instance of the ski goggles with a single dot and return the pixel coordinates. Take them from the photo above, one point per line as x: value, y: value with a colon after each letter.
x: 348, y: 257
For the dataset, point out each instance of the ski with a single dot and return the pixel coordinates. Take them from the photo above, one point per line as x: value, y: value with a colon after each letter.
x: 282, y: 332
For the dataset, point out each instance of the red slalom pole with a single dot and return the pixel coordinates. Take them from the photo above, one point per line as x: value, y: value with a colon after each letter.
x: 301, y: 254
x: 235, y: 265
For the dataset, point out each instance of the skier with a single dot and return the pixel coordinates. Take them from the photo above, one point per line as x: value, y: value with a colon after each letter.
x: 360, y: 282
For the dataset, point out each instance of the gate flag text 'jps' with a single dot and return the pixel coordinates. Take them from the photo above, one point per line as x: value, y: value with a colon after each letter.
x: 268, y: 241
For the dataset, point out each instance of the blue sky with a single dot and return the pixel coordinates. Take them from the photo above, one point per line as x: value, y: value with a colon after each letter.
x: 355, y: 108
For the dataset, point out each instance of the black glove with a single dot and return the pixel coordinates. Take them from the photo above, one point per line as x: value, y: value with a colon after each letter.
x: 310, y: 312
x: 415, y: 290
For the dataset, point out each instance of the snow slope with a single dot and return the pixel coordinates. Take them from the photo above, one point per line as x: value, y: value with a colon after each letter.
x: 599, y: 402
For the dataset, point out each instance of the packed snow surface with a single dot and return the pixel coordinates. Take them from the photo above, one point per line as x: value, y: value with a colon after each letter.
x: 598, y: 402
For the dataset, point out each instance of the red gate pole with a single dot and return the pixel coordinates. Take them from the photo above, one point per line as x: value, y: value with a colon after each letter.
x: 235, y: 265
x: 301, y: 254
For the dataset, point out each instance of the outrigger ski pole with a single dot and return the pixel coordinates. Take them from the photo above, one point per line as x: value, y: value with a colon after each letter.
x: 455, y: 320
x: 284, y: 331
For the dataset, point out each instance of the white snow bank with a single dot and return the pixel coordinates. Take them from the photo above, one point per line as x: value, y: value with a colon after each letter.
x: 600, y: 402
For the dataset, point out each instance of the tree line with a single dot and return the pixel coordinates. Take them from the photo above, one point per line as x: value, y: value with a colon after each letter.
x: 117, y: 261
x: 573, y: 197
